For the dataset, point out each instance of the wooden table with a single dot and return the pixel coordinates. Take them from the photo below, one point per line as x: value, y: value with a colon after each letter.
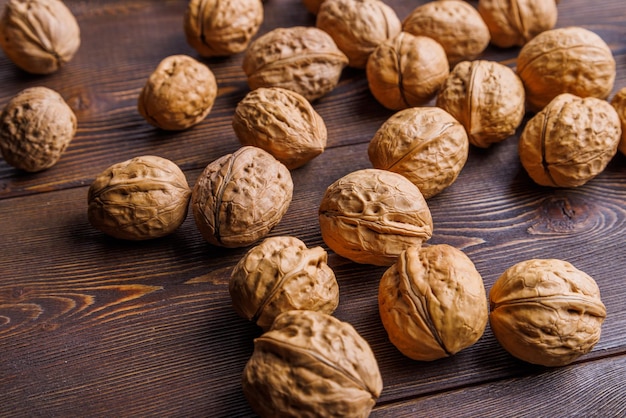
x: 93, y: 326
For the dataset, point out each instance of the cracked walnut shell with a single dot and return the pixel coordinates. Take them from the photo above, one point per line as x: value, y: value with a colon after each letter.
x: 619, y: 103
x: 546, y: 311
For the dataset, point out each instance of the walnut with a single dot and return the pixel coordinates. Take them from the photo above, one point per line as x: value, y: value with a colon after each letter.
x: 619, y: 103
x: 432, y: 302
x: 546, y: 311
x: 39, y: 36
x: 240, y: 197
x: 282, y: 274
x: 313, y: 6
x: 222, y: 27
x: 283, y: 123
x: 311, y: 364
x: 179, y: 93
x: 300, y: 58
x: 455, y: 24
x: 370, y: 216
x: 424, y: 144
x: 141, y: 198
x: 487, y: 98
x: 515, y: 22
x: 565, y: 60
x: 358, y: 26
x: 570, y: 141
x: 406, y: 71
x: 36, y: 126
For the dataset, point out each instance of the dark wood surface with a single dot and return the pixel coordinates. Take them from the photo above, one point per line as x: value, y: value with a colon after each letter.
x: 93, y: 326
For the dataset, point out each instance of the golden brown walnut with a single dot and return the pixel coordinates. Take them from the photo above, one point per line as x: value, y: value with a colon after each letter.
x: 487, y: 98
x: 619, y: 103
x: 424, y: 144
x: 283, y: 123
x: 217, y: 28
x: 370, y: 216
x: 432, y: 302
x: 313, y: 6
x: 455, y: 24
x: 299, y: 58
x: 570, y: 141
x: 358, y: 26
x: 179, y: 93
x: 141, y: 198
x: 311, y: 364
x: 565, y: 60
x: 406, y: 71
x: 546, y: 311
x: 282, y: 274
x: 240, y: 197
x: 36, y: 126
x: 39, y: 36
x: 515, y: 22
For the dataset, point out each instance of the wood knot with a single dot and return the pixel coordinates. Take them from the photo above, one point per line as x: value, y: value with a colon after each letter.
x: 562, y: 215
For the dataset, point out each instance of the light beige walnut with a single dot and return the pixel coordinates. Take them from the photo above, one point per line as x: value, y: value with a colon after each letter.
x: 282, y: 274
x: 619, y: 103
x: 565, y: 60
x: 487, y: 98
x: 570, y: 141
x: 370, y: 216
x: 311, y: 364
x: 283, y: 123
x: 36, y: 127
x: 179, y: 93
x: 39, y: 36
x: 406, y: 71
x: 424, y: 144
x: 546, y: 311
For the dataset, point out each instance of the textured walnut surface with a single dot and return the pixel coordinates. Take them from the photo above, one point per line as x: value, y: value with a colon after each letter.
x: 619, y: 103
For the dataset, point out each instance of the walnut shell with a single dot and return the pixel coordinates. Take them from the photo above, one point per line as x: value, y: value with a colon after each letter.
x: 313, y: 6
x: 283, y: 123
x: 300, y: 58
x: 456, y: 25
x: 311, y: 364
x: 424, y: 144
x: 282, y: 274
x: 358, y: 26
x: 222, y: 27
x: 240, y: 197
x: 370, y: 216
x: 570, y: 141
x: 546, y: 311
x: 487, y: 98
x: 619, y: 103
x: 406, y: 71
x: 36, y: 126
x: 515, y: 22
x: 141, y: 198
x: 565, y: 60
x: 179, y: 93
x: 39, y: 36
x: 432, y: 302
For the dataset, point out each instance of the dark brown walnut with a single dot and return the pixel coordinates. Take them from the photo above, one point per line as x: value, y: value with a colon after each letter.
x: 299, y: 58
x: 370, y: 216
x: 487, y: 98
x: 313, y: 6
x: 432, y: 302
x: 406, y: 71
x: 222, y: 27
x: 179, y: 93
x: 619, y: 103
x: 515, y: 22
x: 39, y: 36
x: 311, y: 364
x: 282, y: 274
x: 36, y: 126
x: 424, y: 144
x: 570, y: 141
x: 240, y: 197
x: 546, y: 311
x: 455, y: 24
x: 141, y: 198
x: 283, y: 123
x: 565, y: 60
x: 358, y: 26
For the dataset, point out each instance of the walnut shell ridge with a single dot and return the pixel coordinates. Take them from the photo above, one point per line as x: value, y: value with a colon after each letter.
x: 619, y: 103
